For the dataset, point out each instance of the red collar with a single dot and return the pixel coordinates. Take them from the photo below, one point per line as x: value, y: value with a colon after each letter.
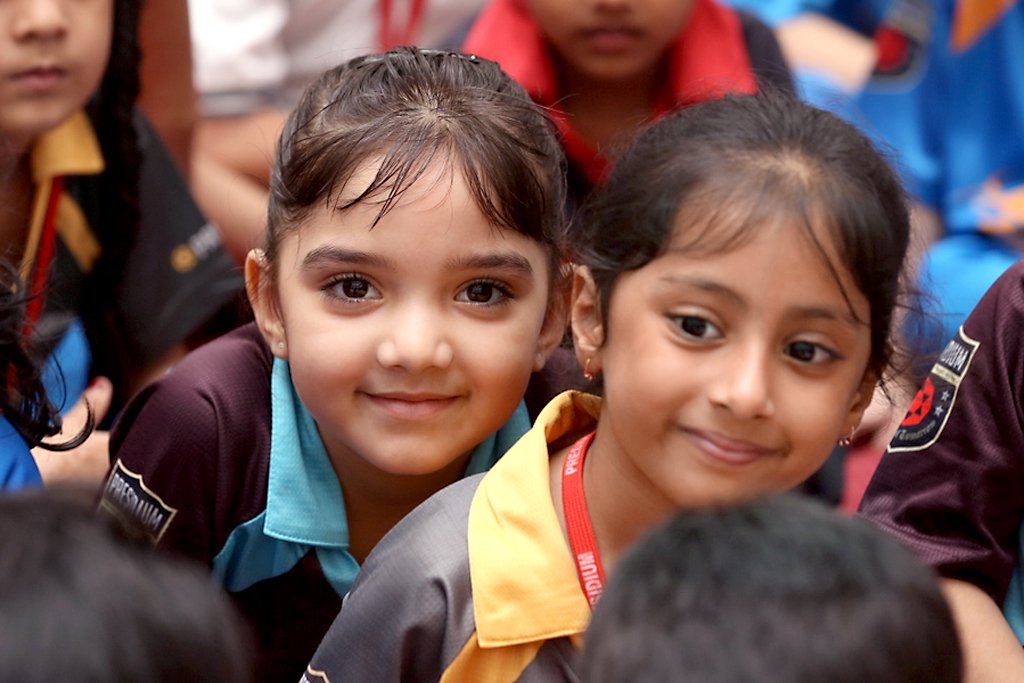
x: 708, y: 60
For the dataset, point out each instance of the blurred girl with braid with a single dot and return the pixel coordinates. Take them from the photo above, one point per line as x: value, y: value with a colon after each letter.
x: 120, y: 267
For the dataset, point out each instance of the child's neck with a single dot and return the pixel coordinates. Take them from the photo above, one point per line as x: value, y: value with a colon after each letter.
x: 606, y: 114
x: 16, y: 195
x: 621, y: 509
x: 375, y: 501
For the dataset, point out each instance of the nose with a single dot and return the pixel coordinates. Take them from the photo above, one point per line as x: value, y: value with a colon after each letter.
x: 743, y: 383
x: 416, y: 340
x: 40, y: 20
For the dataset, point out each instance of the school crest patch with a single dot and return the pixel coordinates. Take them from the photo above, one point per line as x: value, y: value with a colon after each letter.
x: 126, y: 496
x: 930, y: 409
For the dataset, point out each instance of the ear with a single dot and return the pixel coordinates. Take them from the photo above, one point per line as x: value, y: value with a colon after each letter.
x: 552, y: 330
x: 863, y: 397
x: 587, y: 326
x: 259, y: 287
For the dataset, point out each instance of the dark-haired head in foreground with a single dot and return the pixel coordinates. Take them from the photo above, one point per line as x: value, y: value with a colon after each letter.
x: 777, y: 590
x: 82, y: 599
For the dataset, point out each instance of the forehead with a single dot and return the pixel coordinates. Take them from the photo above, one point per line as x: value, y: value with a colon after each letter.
x: 771, y: 261
x: 718, y: 216
x: 434, y: 219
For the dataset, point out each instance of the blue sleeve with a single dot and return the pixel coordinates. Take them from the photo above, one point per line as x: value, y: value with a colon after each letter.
x: 908, y: 109
x: 850, y: 12
x: 17, y: 466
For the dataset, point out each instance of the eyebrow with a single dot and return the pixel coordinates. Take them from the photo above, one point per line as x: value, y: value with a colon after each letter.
x: 713, y: 287
x: 516, y: 264
x: 328, y: 254
x: 507, y: 261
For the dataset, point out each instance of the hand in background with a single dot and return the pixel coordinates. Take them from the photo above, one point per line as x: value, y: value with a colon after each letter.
x: 90, y: 461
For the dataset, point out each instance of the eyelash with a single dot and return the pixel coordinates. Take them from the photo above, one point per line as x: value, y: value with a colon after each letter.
x: 680, y: 320
x: 830, y: 354
x: 502, y: 288
x: 330, y: 289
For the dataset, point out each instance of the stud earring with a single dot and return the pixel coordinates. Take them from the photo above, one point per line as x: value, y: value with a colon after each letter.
x: 587, y: 374
x: 280, y: 345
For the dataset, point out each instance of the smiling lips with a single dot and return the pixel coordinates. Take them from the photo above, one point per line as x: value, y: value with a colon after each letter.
x: 726, y: 450
x: 408, y: 406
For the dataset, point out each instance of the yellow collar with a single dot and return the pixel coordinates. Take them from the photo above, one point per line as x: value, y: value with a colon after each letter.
x: 68, y: 149
x: 524, y: 581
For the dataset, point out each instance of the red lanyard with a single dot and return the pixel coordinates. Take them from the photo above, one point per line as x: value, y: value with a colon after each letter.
x: 44, y: 257
x: 577, y: 522
x: 387, y: 38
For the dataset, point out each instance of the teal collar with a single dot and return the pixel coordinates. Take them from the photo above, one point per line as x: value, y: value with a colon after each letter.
x: 304, y: 500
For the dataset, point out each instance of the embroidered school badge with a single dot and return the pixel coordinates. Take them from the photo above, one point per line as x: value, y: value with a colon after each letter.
x: 930, y: 409
x: 126, y: 496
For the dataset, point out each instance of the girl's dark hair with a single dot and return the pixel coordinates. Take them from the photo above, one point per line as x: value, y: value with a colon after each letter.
x: 112, y: 114
x: 23, y: 400
x: 411, y: 108
x: 708, y: 176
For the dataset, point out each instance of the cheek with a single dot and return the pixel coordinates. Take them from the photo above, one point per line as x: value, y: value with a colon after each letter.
x: 815, y: 431
x: 97, y: 36
x: 500, y: 359
x: 325, y: 376
x: 669, y: 16
x: 553, y: 20
x: 813, y: 455
x: 546, y: 13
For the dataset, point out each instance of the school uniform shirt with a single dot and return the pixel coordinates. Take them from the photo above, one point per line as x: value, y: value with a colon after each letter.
x: 951, y: 484
x: 177, y: 276
x: 476, y: 584
x: 718, y: 51
x: 17, y: 466
x: 221, y: 462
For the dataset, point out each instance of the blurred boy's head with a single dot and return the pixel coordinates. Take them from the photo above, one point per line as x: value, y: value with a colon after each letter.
x: 83, y: 600
x: 610, y: 41
x: 777, y: 590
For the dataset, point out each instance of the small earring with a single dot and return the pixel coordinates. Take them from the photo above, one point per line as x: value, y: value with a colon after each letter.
x: 280, y: 345
x: 846, y: 440
x: 587, y: 374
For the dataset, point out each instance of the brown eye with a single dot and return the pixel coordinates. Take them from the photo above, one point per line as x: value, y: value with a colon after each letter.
x: 352, y: 288
x: 480, y: 292
x: 696, y: 327
x: 484, y: 292
x: 809, y: 352
x: 355, y: 288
